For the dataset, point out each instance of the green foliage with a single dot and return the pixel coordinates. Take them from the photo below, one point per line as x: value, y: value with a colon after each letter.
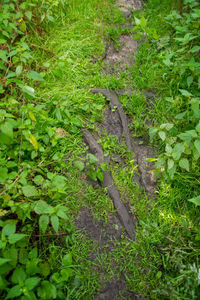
x: 28, y: 136
x: 179, y: 56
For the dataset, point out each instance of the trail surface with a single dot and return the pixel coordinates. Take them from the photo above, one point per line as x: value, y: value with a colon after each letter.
x: 116, y: 123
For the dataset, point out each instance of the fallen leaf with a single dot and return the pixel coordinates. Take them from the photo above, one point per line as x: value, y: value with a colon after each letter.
x: 62, y: 133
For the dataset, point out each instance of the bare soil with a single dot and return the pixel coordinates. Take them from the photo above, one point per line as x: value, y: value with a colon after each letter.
x: 116, y: 124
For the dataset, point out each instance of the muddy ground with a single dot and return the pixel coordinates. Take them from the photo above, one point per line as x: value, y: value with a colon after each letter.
x: 116, y: 123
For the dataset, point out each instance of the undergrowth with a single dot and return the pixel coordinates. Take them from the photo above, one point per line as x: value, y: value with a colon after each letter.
x: 165, y: 257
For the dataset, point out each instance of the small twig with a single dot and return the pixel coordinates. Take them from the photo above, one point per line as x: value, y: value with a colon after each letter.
x: 47, y: 50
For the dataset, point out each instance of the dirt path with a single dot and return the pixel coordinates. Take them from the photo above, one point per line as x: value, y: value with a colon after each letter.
x: 116, y: 123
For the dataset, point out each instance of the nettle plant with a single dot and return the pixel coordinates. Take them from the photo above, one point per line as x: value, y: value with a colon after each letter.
x: 179, y: 57
x: 31, y: 167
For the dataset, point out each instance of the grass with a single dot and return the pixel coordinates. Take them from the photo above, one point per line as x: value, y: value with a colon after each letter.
x: 157, y: 264
x: 161, y: 262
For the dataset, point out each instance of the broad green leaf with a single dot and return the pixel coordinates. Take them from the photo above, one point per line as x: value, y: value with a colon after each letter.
x: 62, y: 214
x: 143, y: 22
x: 195, y: 49
x: 46, y: 290
x: 67, y: 260
x: 29, y: 91
x: 44, y: 269
x: 195, y: 200
x: 65, y: 274
x: 92, y: 158
x: 29, y: 191
x: 3, y: 55
x: 188, y: 135
x: 137, y: 21
x: 18, y: 70
x: 32, y: 282
x: 166, y: 126
x: 178, y: 150
x: 12, y: 255
x: 38, y: 180
x: 43, y: 223
x: 35, y: 76
x: 14, y: 292
x: 185, y: 93
x: 170, y: 163
x: 15, y: 237
x: 152, y: 132
x: 7, y: 129
x: 55, y: 223
x: 18, y: 275
x: 189, y: 81
x: 162, y: 135
x: 3, y: 261
x: 59, y: 182
x: 3, y: 174
x: 33, y: 253
x: 184, y: 164
x: 32, y: 266
x: 9, y: 229
x: 100, y: 175
x: 42, y: 207
x: 79, y: 165
x: 197, y: 145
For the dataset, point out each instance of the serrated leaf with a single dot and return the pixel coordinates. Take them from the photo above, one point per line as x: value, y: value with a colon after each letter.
x: 152, y: 132
x: 9, y: 229
x: 59, y: 182
x: 7, y: 129
x: 67, y: 260
x: 170, y: 163
x: 38, y: 180
x: 15, y: 237
x: 35, y: 76
x: 32, y: 282
x: 92, y: 158
x: 178, y: 150
x: 184, y: 164
x: 166, y: 126
x: 43, y: 223
x: 29, y: 191
x: 79, y: 165
x: 3, y: 261
x: 195, y: 200
x: 3, y: 55
x: 42, y: 207
x: 189, y: 80
x: 44, y: 269
x: 18, y: 275
x: 55, y: 223
x: 14, y: 292
x: 162, y: 135
x: 29, y: 91
x: 197, y: 145
x: 185, y: 93
x: 18, y: 70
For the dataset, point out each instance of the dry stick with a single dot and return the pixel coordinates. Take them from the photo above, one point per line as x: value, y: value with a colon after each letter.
x: 111, y: 188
